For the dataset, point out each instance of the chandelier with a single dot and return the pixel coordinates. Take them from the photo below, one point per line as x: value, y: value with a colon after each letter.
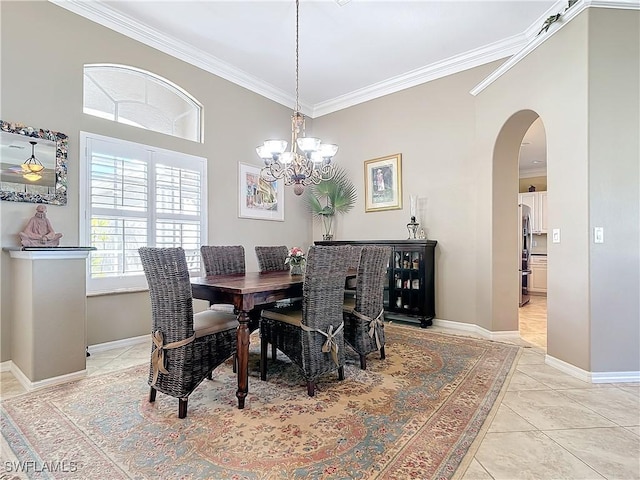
x: 32, y: 167
x: 308, y: 161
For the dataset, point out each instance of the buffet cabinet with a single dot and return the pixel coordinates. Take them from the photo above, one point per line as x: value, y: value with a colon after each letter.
x: 409, y: 293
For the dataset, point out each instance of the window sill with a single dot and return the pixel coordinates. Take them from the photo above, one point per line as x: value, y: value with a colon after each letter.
x: 118, y: 291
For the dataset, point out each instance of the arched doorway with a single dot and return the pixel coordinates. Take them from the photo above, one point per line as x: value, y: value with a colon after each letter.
x: 532, y: 196
x: 506, y: 253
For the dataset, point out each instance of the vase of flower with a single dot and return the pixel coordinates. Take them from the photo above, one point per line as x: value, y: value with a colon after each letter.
x: 296, y: 261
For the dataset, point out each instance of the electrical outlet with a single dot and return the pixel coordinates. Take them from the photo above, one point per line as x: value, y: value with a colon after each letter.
x: 535, y: 244
x: 598, y: 235
x: 555, y: 238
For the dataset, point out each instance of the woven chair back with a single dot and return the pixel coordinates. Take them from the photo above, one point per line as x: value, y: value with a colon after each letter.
x: 323, y: 289
x: 354, y: 256
x: 372, y: 276
x: 223, y: 259
x: 271, y: 258
x: 167, y: 274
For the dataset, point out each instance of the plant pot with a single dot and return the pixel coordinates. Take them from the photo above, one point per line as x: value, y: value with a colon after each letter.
x: 327, y: 223
x: 295, y: 269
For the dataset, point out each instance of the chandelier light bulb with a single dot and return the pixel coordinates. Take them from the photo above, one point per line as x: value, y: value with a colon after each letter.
x: 32, y: 177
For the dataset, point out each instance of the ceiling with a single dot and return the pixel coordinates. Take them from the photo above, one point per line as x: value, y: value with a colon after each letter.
x: 349, y: 51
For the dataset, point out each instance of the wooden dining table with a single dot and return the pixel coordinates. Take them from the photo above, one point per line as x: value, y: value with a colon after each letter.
x: 248, y: 293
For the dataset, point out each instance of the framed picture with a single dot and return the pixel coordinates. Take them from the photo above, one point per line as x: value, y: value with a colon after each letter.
x: 383, y: 183
x: 257, y: 197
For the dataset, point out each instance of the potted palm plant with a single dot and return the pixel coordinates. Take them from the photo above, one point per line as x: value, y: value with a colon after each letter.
x: 330, y: 197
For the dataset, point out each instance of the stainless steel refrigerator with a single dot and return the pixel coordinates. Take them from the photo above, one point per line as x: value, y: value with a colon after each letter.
x: 525, y: 239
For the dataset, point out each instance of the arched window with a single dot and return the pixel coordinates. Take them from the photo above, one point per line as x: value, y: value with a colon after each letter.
x: 135, y: 97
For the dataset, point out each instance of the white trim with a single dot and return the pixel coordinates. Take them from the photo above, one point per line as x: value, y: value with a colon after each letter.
x: 540, y: 39
x: 473, y: 328
x: 456, y: 64
x: 108, y: 17
x: 6, y: 366
x: 615, y: 377
x: 592, y: 377
x: 125, y: 342
x: 585, y: 376
x: 62, y: 254
x: 47, y: 382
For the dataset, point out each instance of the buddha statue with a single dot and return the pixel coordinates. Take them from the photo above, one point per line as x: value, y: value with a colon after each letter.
x: 39, y: 232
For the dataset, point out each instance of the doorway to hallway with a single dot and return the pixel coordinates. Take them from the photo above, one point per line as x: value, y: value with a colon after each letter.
x: 532, y: 321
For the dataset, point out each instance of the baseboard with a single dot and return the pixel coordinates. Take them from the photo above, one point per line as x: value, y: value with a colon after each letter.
x: 473, y: 328
x: 585, y: 376
x: 47, y: 382
x: 125, y: 342
x: 592, y: 377
x: 6, y: 366
x: 615, y: 377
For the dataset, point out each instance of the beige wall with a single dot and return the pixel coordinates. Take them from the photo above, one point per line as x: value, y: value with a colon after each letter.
x: 459, y: 155
x: 614, y: 189
x: 432, y: 126
x: 43, y: 49
x: 569, y: 91
x: 558, y: 94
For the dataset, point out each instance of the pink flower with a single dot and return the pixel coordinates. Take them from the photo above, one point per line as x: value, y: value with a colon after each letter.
x: 295, y: 256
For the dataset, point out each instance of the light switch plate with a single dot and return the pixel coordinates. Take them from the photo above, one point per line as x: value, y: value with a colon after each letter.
x: 598, y: 234
x: 555, y: 237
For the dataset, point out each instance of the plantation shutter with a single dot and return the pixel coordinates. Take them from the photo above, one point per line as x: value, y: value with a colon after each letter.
x: 140, y: 196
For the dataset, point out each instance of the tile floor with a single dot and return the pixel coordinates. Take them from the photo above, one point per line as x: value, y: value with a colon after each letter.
x: 547, y: 426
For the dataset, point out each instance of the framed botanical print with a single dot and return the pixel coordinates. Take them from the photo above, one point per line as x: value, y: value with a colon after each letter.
x: 383, y: 183
x: 258, y: 198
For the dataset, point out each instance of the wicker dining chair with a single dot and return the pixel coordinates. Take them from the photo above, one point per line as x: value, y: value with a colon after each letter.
x: 271, y: 258
x: 364, y: 314
x: 226, y: 260
x: 354, y: 260
x: 186, y: 347
x: 312, y: 336
x: 222, y: 260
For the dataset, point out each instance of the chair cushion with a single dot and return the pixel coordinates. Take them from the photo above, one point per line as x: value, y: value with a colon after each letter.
x: 349, y: 305
x: 213, y: 321
x: 222, y: 307
x: 286, y: 315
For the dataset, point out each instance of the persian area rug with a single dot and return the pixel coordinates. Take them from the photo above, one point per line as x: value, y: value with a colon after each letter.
x: 413, y: 415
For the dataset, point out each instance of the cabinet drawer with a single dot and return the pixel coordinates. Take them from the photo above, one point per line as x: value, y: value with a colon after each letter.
x: 539, y: 260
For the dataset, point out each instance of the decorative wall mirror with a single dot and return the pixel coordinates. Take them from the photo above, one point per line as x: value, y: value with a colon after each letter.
x: 33, y: 164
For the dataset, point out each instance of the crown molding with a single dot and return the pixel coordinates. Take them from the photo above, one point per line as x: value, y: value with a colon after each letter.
x: 516, y: 47
x: 539, y: 39
x: 459, y: 63
x: 106, y: 16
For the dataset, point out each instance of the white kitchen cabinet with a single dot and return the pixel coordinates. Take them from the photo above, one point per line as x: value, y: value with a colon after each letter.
x: 538, y: 277
x: 542, y: 211
x: 537, y: 202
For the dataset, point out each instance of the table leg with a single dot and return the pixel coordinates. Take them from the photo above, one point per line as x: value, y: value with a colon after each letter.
x: 243, y: 358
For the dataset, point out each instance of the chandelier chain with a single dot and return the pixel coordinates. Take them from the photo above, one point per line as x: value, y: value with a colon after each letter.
x: 297, y: 55
x: 309, y: 160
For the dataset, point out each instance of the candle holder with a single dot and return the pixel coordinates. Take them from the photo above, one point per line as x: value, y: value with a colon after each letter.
x: 412, y: 226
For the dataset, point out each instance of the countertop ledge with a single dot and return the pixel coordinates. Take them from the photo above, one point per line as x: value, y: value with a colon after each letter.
x: 48, y: 249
